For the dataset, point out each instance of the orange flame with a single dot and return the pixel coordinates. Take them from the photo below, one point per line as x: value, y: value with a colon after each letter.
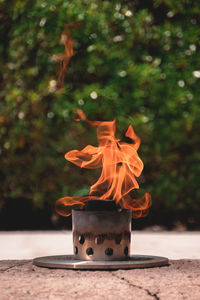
x: 63, y: 59
x: 120, y: 165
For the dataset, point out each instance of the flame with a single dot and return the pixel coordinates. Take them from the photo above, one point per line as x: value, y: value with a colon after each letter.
x: 120, y: 165
x: 63, y: 59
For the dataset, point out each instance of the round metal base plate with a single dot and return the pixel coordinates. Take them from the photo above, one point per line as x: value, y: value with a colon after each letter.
x: 70, y: 262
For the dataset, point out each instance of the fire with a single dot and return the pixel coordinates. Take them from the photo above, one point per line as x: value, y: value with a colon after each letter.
x: 63, y: 59
x: 120, y: 165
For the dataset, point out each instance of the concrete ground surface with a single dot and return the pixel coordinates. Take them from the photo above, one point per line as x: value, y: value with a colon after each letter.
x: 30, y: 244
x: 19, y: 279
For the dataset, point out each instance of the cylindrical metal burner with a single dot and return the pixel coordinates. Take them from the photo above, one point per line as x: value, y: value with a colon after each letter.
x: 101, y: 235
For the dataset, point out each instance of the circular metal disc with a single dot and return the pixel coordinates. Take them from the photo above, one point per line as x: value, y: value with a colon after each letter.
x: 70, y: 262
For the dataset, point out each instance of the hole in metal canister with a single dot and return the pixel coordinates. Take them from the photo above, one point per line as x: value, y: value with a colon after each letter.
x: 75, y: 250
x: 89, y: 251
x: 126, y: 251
x: 109, y: 251
x: 81, y: 239
x: 118, y: 239
x: 99, y: 239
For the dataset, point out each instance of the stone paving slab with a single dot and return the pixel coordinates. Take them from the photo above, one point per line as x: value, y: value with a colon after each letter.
x: 19, y: 279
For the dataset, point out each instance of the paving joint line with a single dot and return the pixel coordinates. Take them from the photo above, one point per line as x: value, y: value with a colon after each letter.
x: 12, y: 267
x: 154, y: 295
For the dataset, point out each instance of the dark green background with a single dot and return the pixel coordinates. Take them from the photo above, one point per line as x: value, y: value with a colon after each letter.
x: 140, y: 57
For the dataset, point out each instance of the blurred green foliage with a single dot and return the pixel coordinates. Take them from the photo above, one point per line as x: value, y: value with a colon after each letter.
x: 136, y: 61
